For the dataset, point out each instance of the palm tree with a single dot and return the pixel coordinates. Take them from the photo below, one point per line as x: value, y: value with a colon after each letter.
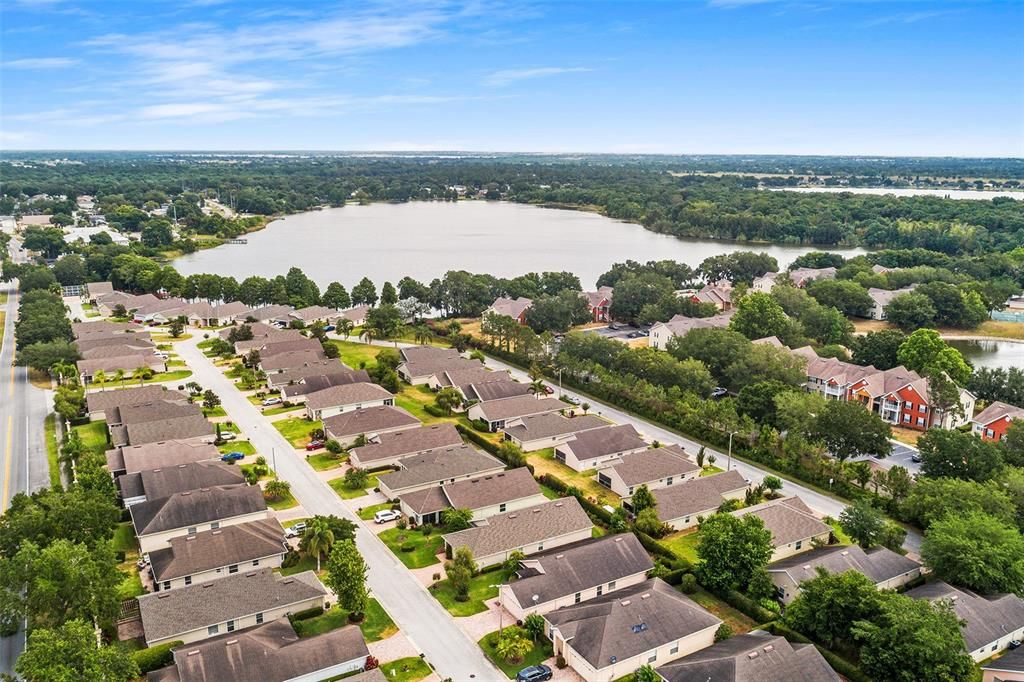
x: 119, y: 377
x: 100, y: 378
x: 63, y: 370
x: 398, y: 332
x: 318, y: 539
x: 140, y: 374
x: 369, y: 335
x: 345, y: 326
x: 537, y: 387
x: 422, y: 334
x: 513, y: 644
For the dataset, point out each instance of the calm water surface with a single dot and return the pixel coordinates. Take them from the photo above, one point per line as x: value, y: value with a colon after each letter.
x: 424, y: 240
x: 910, y: 192
x: 990, y: 353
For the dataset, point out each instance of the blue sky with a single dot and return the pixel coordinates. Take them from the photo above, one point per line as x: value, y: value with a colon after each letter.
x: 703, y: 76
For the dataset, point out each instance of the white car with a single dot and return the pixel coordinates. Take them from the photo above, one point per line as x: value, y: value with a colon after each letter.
x: 296, y: 530
x: 385, y: 515
x: 267, y: 402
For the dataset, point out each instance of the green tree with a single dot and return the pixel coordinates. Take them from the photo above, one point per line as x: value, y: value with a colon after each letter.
x: 910, y: 311
x: 210, y: 400
x: 513, y: 644
x: 863, y: 523
x: 762, y: 362
x: 796, y: 411
x: 758, y: 400
x: 346, y: 576
x: 716, y: 348
x: 848, y: 430
x: 731, y: 549
x: 953, y: 454
x: 829, y: 604
x: 357, y: 479
x: 345, y: 326
x: 176, y: 327
x: 277, y: 490
x: 65, y: 580
x: 897, y: 482
x: 645, y: 673
x: 534, y: 626
x: 455, y: 519
x: 69, y: 401
x: 69, y: 653
x: 912, y: 640
x: 773, y: 484
x: 642, y: 499
x: 634, y: 292
x: 879, y: 348
x: 448, y: 399
x: 931, y: 499
x: 977, y: 551
x: 847, y: 296
x: 70, y: 270
x: 925, y: 352
x: 647, y: 522
x: 460, y: 571
x: 388, y: 295
x: 511, y: 454
x: 335, y: 296
x: 45, y: 355
x: 318, y: 539
x: 758, y: 315
x: 364, y: 293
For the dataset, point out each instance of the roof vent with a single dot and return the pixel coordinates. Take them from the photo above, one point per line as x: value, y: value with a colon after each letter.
x: 618, y: 538
x: 559, y: 556
x: 512, y: 516
x: 536, y: 511
x: 193, y: 652
x: 162, y: 595
x: 231, y: 641
x: 187, y: 492
x: 624, y: 603
x: 645, y: 595
x: 770, y: 647
x: 156, y: 471
x: 807, y: 567
x: 251, y: 574
x: 205, y: 585
x: 639, y: 627
x: 845, y: 553
x: 189, y: 538
x: 216, y: 532
x: 286, y: 582
x: 558, y: 504
x: 752, y: 655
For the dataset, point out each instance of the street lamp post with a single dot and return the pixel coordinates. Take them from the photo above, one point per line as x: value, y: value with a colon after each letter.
x: 729, y: 465
x: 500, y: 610
x: 559, y: 383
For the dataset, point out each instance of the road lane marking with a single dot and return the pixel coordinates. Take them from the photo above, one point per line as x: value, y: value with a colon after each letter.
x: 7, y: 463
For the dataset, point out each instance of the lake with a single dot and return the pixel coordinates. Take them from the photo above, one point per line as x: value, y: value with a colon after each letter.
x: 991, y: 353
x: 909, y: 192
x: 426, y: 239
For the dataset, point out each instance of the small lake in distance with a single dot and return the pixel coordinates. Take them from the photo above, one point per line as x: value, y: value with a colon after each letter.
x: 990, y: 352
x: 426, y: 239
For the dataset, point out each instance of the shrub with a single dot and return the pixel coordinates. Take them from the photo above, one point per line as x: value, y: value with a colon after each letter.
x: 371, y: 663
x: 155, y: 657
x: 402, y: 523
x: 306, y: 614
x: 408, y: 546
x: 261, y: 461
x: 688, y: 584
x: 426, y: 529
x: 723, y: 632
x: 290, y: 559
x: 560, y: 662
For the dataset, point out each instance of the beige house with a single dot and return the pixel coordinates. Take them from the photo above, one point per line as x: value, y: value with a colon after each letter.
x: 98, y: 403
x: 169, y: 453
x: 157, y: 522
x: 205, y: 610
x: 549, y: 430
x: 757, y: 656
x: 1007, y: 668
x: 884, y: 567
x: 388, y: 449
x: 683, y: 505
x: 793, y: 526
x: 599, y: 448
x: 346, y: 398
x: 485, y: 496
x: 655, y: 468
x: 647, y: 624
x: 422, y: 364
x: 508, y: 411
x: 370, y: 422
x: 575, y: 573
x: 989, y: 623
x: 437, y: 467
x: 551, y: 524
x: 680, y: 325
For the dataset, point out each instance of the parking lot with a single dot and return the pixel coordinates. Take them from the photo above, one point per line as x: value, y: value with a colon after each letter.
x: 622, y: 332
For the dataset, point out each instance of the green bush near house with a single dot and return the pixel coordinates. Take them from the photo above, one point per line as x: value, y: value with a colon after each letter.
x: 542, y: 651
x: 155, y: 657
x: 376, y: 624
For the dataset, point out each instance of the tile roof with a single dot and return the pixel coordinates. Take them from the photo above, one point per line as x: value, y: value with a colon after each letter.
x: 553, y: 424
x: 607, y: 440
x: 194, y: 507
x: 800, y: 276
x: 754, y: 657
x: 347, y: 394
x: 166, y: 481
x: 596, y: 298
x: 408, y: 442
x: 653, y: 465
x: 698, y: 495
x: 518, y: 406
x: 788, y: 519
x: 240, y: 543
x: 369, y: 420
x: 987, y: 619
x: 580, y: 566
x: 439, y: 464
x: 878, y: 564
x: 512, y: 530
x: 427, y: 501
x: 271, y: 652
x: 355, y: 314
x: 98, y: 401
x: 630, y: 622
x: 174, y: 612
x: 169, y: 453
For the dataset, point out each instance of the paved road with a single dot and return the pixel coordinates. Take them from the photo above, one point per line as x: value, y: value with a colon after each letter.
x: 417, y: 613
x: 23, y: 464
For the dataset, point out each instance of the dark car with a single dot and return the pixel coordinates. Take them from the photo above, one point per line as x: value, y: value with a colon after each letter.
x: 535, y: 673
x: 315, y: 445
x: 232, y: 457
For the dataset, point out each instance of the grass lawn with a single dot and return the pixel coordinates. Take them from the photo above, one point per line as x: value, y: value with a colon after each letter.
x: 305, y: 563
x: 280, y: 409
x: 480, y: 591
x: 906, y: 436
x: 550, y: 493
x: 684, y: 543
x: 346, y: 493
x: 709, y: 470
x: 542, y: 651
x: 739, y: 622
x: 325, y: 460
x: 425, y: 548
x: 218, y: 411
x: 243, y: 446
x: 94, y: 436
x: 52, y: 450
x: 124, y: 538
x: 411, y: 669
x: 168, y: 337
x: 296, y: 430
x: 838, y: 531
x: 286, y: 502
x: 415, y: 398
x: 544, y: 462
x: 376, y: 624
x: 366, y: 513
x: 176, y: 375
x: 131, y: 586
x: 353, y: 353
x: 247, y: 467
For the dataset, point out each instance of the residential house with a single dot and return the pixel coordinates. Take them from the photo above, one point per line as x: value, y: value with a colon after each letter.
x: 197, y: 612
x: 221, y: 553
x: 387, y: 449
x: 105, y: 328
x: 271, y: 652
x: 793, y: 526
x: 458, y: 378
x: 508, y: 411
x: 356, y: 315
x: 291, y: 360
x: 339, y: 376
x: 258, y: 329
x: 680, y: 325
x: 684, y: 504
x: 154, y: 484
x: 119, y: 350
x: 98, y: 403
x: 901, y: 397
x: 370, y: 422
x: 423, y: 364
x: 265, y: 314
x: 346, y: 398
x: 156, y: 522
x: 1007, y: 668
x: 883, y: 297
x: 313, y: 314
x: 161, y: 312
x: 96, y: 289
x: 718, y: 294
x: 598, y: 448
x: 801, y: 277
x: 129, y: 459
x: 545, y: 526
x: 989, y: 623
x: 510, y: 307
x: 992, y: 422
x: 884, y: 567
x: 226, y: 314
x: 141, y: 340
x: 600, y: 303
x: 575, y: 573
x: 655, y: 468
x: 485, y: 496
x: 765, y: 283
x: 106, y: 304
x: 831, y: 377
x: 646, y: 624
x: 548, y: 430
x: 297, y: 375
x: 272, y: 349
x: 757, y: 656
x: 433, y: 468
x: 87, y: 369
x: 493, y: 390
x: 260, y: 341
x: 158, y: 420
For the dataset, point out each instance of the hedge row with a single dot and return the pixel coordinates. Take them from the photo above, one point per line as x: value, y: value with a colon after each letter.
x: 658, y: 549
x: 306, y: 614
x: 841, y: 665
x: 597, y: 511
x: 485, y: 444
x: 746, y: 605
x: 155, y: 657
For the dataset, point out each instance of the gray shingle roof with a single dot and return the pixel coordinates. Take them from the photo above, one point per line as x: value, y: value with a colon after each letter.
x: 129, y: 363
x: 291, y: 359
x: 696, y: 496
x: 502, y: 487
x: 788, y: 519
x: 311, y: 370
x: 118, y: 350
x: 518, y: 406
x: 653, y: 465
x: 347, y: 394
x: 166, y: 481
x: 179, y: 428
x: 494, y: 390
x: 236, y: 544
x: 166, y: 614
x: 318, y: 382
x: 986, y: 618
x: 271, y: 652
x: 104, y: 328
x: 580, y: 566
x: 552, y: 424
x: 629, y: 622
x: 169, y: 453
x: 275, y: 348
x: 368, y: 421
x: 605, y: 441
x: 878, y: 564
x: 439, y: 464
x: 269, y: 335
x: 1011, y: 661
x: 421, y: 353
x: 97, y: 341
x: 154, y: 410
x: 477, y: 374
x: 435, y: 366
x: 510, y: 531
x: 754, y: 657
x: 408, y: 442
x: 104, y: 400
x: 194, y: 507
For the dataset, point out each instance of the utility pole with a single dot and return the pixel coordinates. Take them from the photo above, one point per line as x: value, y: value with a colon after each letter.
x: 729, y: 465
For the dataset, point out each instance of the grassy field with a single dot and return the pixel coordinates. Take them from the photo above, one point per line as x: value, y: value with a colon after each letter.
x: 325, y: 460
x: 426, y: 548
x: 684, y: 543
x: 411, y: 669
x: 366, y: 513
x: 988, y: 328
x: 243, y: 446
x: 93, y: 435
x: 376, y: 624
x: 218, y: 411
x: 356, y: 354
x: 709, y: 470
x: 480, y: 590
x: 541, y: 652
x: 286, y: 502
x: 281, y: 409
x: 124, y: 538
x: 346, y: 493
x: 296, y: 430
x: 52, y: 450
x: 544, y: 462
x: 838, y: 531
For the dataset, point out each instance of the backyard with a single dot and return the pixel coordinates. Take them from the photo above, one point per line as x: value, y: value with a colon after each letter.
x: 93, y: 435
x: 544, y: 462
x: 684, y: 543
x: 739, y: 622
x: 354, y: 354
x: 325, y: 460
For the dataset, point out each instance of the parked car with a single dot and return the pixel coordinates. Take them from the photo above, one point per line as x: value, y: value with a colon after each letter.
x: 916, y: 458
x: 719, y: 392
x: 385, y: 515
x: 329, y: 328
x: 232, y: 456
x: 549, y: 390
x: 614, y: 327
x: 535, y: 673
x: 315, y: 445
x: 572, y: 400
x: 228, y: 435
x: 296, y: 530
x: 267, y: 402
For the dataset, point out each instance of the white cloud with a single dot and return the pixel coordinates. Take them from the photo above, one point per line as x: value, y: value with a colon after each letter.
x: 509, y: 76
x: 40, y: 63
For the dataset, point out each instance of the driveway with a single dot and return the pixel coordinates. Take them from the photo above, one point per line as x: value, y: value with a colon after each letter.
x: 426, y: 625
